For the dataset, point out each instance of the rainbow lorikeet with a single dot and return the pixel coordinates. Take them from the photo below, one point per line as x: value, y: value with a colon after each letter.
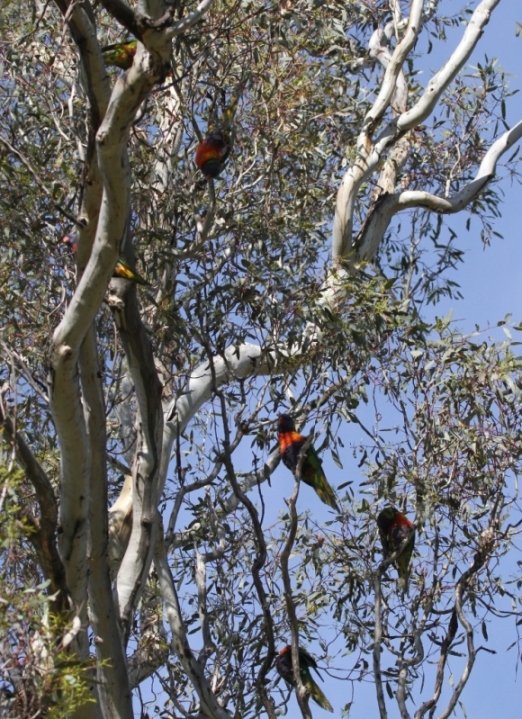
x: 394, y: 527
x: 121, y: 270
x: 120, y: 54
x: 290, y: 444
x: 213, y: 151
x: 285, y: 670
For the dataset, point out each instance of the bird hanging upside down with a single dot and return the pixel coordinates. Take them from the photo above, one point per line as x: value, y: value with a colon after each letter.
x: 290, y: 444
x: 285, y: 670
x: 213, y: 151
x: 120, y: 54
x: 121, y: 270
x: 394, y: 527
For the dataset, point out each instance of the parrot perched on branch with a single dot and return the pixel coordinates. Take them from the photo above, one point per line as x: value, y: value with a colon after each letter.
x: 290, y: 444
x: 285, y: 670
x: 394, y: 527
x: 121, y: 54
x: 121, y: 270
x: 213, y: 151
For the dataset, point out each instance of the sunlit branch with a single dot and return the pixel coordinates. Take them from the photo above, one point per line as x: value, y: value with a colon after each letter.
x: 370, y: 153
x: 191, y: 19
x: 343, y: 220
x: 390, y: 205
x: 394, y: 68
x: 439, y: 82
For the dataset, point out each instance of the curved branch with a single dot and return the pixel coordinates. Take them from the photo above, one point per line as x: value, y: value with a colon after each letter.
x: 439, y: 82
x: 342, y: 226
x: 394, y: 67
x: 389, y: 205
x: 369, y: 154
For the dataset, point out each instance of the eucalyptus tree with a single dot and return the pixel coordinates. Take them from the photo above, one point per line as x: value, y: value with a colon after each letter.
x: 143, y: 419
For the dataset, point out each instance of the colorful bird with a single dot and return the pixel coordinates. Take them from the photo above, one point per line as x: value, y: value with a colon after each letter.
x: 290, y: 444
x: 121, y: 270
x: 120, y: 54
x: 70, y: 241
x: 394, y: 527
x: 213, y: 151
x: 285, y: 670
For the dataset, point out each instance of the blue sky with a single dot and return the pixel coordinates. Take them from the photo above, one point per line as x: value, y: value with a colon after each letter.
x: 490, y: 276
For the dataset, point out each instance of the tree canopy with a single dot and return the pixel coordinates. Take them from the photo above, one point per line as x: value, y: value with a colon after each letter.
x: 152, y: 558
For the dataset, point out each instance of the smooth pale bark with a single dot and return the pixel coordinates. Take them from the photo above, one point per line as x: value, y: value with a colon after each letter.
x: 371, y: 152
x: 114, y: 688
x: 390, y: 205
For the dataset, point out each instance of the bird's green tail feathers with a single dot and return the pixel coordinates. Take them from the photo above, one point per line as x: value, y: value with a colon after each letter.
x: 403, y: 568
x: 316, y: 694
x: 326, y: 493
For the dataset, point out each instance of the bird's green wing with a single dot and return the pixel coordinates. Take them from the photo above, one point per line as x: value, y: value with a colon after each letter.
x: 313, y: 475
x: 306, y: 660
x: 123, y: 270
x: 120, y: 54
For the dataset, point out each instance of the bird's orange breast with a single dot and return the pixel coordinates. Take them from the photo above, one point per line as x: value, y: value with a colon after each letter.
x: 210, y: 150
x: 287, y: 439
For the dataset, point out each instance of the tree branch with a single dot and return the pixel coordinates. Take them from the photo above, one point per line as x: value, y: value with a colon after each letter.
x: 180, y: 643
x: 113, y: 678
x: 443, y: 658
x: 377, y: 646
x: 259, y: 562
x: 145, y: 494
x: 369, y: 154
x: 439, y: 82
x: 389, y: 205
x: 43, y: 537
x: 346, y: 195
